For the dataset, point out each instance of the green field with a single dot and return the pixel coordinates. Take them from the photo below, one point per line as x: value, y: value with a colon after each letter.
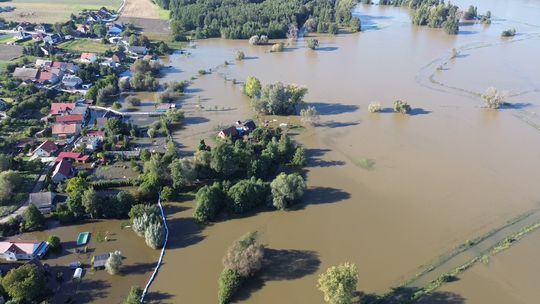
x: 84, y: 45
x: 54, y: 10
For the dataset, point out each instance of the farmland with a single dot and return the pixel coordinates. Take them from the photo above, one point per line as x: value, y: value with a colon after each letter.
x: 53, y: 11
x: 84, y: 45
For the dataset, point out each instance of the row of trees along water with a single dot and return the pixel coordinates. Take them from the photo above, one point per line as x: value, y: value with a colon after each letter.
x: 245, y: 18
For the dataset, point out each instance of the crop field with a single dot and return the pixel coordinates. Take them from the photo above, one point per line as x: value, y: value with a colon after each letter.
x: 54, y: 10
x: 9, y: 52
x: 84, y: 45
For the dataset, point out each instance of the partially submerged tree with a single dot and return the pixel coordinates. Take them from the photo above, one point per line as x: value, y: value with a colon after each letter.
x: 338, y: 283
x: 252, y: 87
x: 374, y: 107
x: 114, y: 262
x: 287, y: 189
x: 493, y: 98
x: 245, y: 255
x: 402, y: 107
x: 313, y: 43
x: 134, y: 296
x: 25, y: 283
x: 309, y: 115
x: 155, y: 235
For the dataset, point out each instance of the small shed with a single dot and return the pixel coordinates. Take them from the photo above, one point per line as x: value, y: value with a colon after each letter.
x: 98, y: 261
x: 78, y: 273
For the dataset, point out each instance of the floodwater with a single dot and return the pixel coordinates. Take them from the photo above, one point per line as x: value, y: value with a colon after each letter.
x: 450, y: 171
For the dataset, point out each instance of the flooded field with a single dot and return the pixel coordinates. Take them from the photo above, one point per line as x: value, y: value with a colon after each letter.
x: 449, y: 172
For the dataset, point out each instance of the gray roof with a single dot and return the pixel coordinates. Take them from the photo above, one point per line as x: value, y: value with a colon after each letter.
x: 100, y: 260
x: 25, y: 73
x: 79, y: 110
x: 42, y: 199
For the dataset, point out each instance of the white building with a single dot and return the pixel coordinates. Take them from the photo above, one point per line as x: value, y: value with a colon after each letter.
x: 22, y: 250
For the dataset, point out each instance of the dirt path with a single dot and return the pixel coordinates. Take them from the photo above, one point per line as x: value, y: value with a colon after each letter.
x: 140, y: 9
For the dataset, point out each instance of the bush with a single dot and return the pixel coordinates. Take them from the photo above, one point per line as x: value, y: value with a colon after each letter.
x: 135, y: 295
x: 508, y: 33
x: 278, y: 47
x: 240, y: 56
x: 313, y: 43
x: 114, y: 262
x: 229, y: 283
x: 401, y: 107
x: 155, y: 235
x: 54, y: 242
x: 374, y: 107
x: 309, y: 115
x: 116, y: 105
x: 133, y: 100
x: 493, y: 98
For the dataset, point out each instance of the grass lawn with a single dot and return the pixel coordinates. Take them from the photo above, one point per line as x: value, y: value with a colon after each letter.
x: 164, y: 14
x: 54, y: 10
x: 84, y: 45
x: 167, y: 38
x: 5, y: 38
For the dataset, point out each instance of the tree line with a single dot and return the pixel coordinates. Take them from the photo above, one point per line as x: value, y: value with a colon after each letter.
x: 245, y: 18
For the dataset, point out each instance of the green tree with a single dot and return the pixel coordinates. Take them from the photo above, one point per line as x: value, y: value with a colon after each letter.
x: 224, y: 160
x: 25, y: 282
x: 313, y: 43
x: 183, y: 172
x: 32, y: 219
x: 135, y: 295
x: 166, y: 194
x: 76, y: 183
x: 54, y: 242
x: 209, y: 201
x: 155, y: 235
x: 402, y: 107
x: 5, y: 162
x: 287, y: 189
x: 145, y: 155
x: 299, y: 158
x: 229, y: 283
x: 246, y: 195
x: 74, y: 204
x: 338, y: 283
x: 240, y: 55
x: 278, y: 99
x: 252, y: 87
x: 89, y: 201
x: 114, y: 262
x: 9, y: 181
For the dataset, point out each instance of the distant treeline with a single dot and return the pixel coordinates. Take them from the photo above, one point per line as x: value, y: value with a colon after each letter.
x: 433, y: 13
x: 241, y: 19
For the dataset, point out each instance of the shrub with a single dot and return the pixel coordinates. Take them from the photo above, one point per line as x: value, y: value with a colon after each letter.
x: 493, y: 98
x: 401, y: 107
x: 309, y: 115
x: 254, y: 40
x: 313, y: 43
x: 135, y: 295
x: 240, y: 56
x: 114, y: 262
x: 229, y: 283
x: 54, y: 242
x: 278, y: 47
x: 116, y: 105
x: 374, y: 107
x: 508, y: 33
x: 133, y: 100
x: 155, y: 235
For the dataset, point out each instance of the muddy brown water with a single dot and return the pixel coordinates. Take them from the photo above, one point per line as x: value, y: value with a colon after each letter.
x: 449, y: 172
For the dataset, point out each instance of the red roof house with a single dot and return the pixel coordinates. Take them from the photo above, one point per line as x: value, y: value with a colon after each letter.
x: 58, y: 108
x: 62, y: 171
x: 97, y: 134
x: 70, y: 119
x: 76, y: 156
x: 65, y: 130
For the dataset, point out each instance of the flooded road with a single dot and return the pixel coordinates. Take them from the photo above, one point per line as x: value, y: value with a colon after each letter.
x: 447, y: 173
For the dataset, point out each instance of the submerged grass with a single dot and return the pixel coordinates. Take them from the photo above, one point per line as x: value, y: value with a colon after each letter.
x: 364, y: 163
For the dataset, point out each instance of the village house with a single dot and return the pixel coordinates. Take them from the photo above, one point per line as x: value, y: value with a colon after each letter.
x: 41, y: 28
x: 43, y: 63
x: 70, y: 119
x: 26, y: 74
x: 53, y: 39
x: 83, y: 29
x: 61, y: 130
x: 71, y: 81
x: 230, y: 132
x: 88, y: 57
x: 38, y: 37
x: 88, y: 143
x: 115, y: 29
x: 23, y: 26
x: 137, y: 50
x: 46, y: 149
x: 22, y: 250
x: 60, y: 108
x: 118, y: 57
x: 81, y: 109
x: 44, y: 201
x: 96, y: 134
x: 62, y: 171
x: 75, y: 156
x: 65, y: 66
x: 22, y: 36
x: 48, y: 77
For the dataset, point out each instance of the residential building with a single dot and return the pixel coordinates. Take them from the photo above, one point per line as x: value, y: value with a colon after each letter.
x: 22, y: 250
x: 88, y: 57
x: 137, y: 50
x: 83, y: 29
x: 62, y: 171
x: 46, y: 149
x: 23, y: 26
x: 230, y: 132
x: 38, y: 37
x: 75, y: 156
x: 41, y: 28
x: 81, y: 109
x: 53, y: 39
x: 115, y: 29
x: 65, y: 66
x: 71, y: 81
x: 44, y: 201
x: 164, y: 107
x: 96, y: 134
x: 48, y: 77
x: 70, y: 118
x: 118, y: 57
x: 21, y: 36
x: 43, y: 63
x: 25, y: 74
x: 88, y: 143
x: 60, y: 108
x: 61, y: 130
